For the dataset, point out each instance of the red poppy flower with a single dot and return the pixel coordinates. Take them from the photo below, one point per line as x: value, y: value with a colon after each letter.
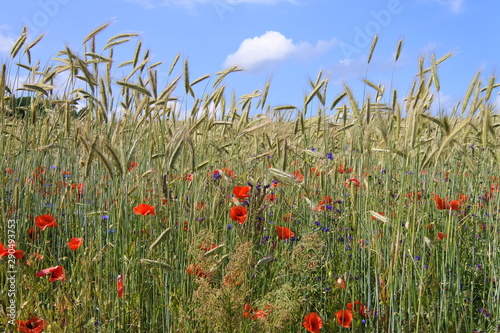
x: 45, y: 221
x: 412, y: 195
x: 9, y: 171
x: 78, y: 187
x: 33, y: 325
x: 238, y: 213
x: 354, y: 181
x: 358, y: 307
x: 229, y: 172
x: 489, y: 195
x: 189, y: 177
x: 261, y: 314
x: 270, y: 197
x: 248, y: 311
x: 284, y: 233
x: 56, y: 273
x: 298, y: 176
x: 441, y: 236
x: 312, y: 322
x: 449, y: 205
x: 75, y: 243
x: 119, y: 286
x: 344, y: 318
x: 327, y: 200
x: 342, y: 170
x: 132, y: 166
x: 206, y: 246
x: 440, y: 203
x: 38, y: 172
x: 144, y: 209
x: 252, y: 313
x: 315, y: 171
x: 241, y: 192
x: 197, y: 270
x: 11, y: 249
x: 319, y: 208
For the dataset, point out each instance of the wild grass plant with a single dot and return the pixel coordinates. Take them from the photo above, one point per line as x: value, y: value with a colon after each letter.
x: 358, y: 185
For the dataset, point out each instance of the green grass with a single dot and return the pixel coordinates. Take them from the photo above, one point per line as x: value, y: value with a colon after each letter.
x: 393, y: 263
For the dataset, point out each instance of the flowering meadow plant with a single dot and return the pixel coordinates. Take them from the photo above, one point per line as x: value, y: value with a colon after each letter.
x: 224, y: 218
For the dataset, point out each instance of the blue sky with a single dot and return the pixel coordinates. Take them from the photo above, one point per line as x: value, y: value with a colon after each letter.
x: 285, y: 42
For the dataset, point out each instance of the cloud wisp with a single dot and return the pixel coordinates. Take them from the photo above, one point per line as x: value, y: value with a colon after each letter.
x: 6, y: 43
x: 271, y: 48
x: 455, y: 6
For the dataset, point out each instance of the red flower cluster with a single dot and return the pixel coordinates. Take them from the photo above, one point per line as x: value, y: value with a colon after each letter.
x: 197, y: 270
x: 412, y: 195
x: 132, y: 166
x: 450, y: 205
x: 354, y: 181
x: 299, y: 177
x: 343, y: 170
x: 489, y: 195
x: 252, y: 313
x: 326, y: 200
x: 358, y: 307
x: 345, y: 317
x: 206, y: 246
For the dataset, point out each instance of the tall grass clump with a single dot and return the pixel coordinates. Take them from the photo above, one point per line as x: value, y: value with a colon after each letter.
x: 216, y: 213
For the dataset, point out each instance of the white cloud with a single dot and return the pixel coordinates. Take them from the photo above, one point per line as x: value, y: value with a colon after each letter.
x: 6, y: 43
x: 272, y: 47
x: 455, y: 6
x: 444, y: 102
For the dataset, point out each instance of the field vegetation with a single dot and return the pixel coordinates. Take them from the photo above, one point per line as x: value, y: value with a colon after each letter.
x: 211, y: 212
